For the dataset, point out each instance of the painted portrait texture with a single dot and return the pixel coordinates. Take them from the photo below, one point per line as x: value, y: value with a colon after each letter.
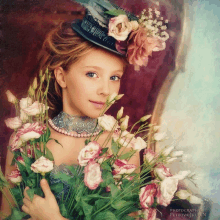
x: 87, y: 64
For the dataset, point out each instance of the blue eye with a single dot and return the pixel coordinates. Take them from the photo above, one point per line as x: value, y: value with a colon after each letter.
x: 115, y: 78
x: 91, y: 75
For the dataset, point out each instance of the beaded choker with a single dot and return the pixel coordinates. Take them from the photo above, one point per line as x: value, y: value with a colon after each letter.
x: 75, y: 126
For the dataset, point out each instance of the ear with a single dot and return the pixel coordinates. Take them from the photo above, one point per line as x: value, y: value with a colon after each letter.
x: 60, y: 77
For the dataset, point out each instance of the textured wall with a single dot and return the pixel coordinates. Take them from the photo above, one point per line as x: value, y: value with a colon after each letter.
x: 192, y: 113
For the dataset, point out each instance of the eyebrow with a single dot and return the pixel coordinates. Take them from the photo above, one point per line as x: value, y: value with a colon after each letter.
x: 99, y: 68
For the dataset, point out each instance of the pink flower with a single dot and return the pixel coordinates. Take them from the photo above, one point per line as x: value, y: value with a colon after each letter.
x: 15, y: 177
x: 140, y: 47
x: 93, y: 175
x: 15, y: 142
x: 89, y: 152
x: 42, y: 165
x: 147, y: 195
x: 30, y: 130
x: 29, y: 150
x: 150, y: 214
x: 149, y: 155
x: 122, y: 167
x: 119, y: 27
x: 35, y: 109
x: 13, y: 123
x: 162, y: 172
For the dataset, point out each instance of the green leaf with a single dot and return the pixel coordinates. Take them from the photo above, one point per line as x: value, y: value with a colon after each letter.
x: 106, y: 215
x: 38, y: 191
x: 115, y: 147
x: 49, y: 154
x: 57, y: 188
x: 107, y: 178
x: 106, y: 166
x: 126, y: 156
x: 104, y: 150
x: 47, y: 135
x: 38, y: 153
x: 120, y: 204
x: 87, y: 141
x: 101, y: 203
x: 128, y: 218
x: 17, y: 195
x: 63, y: 210
x: 87, y: 209
x: 58, y: 143
x: 30, y: 193
x: 114, y: 190
x: 17, y: 215
x: 115, y: 12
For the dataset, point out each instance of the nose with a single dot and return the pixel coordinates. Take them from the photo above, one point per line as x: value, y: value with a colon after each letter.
x: 104, y: 87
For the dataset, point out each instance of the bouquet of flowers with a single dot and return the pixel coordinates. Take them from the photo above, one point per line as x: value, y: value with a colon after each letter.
x: 104, y: 185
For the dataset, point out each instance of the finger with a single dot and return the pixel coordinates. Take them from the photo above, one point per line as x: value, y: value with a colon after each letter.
x: 27, y: 202
x: 25, y: 193
x: 46, y: 188
x: 25, y: 209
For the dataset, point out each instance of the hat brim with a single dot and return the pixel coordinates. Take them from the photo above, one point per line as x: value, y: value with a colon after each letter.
x: 76, y: 26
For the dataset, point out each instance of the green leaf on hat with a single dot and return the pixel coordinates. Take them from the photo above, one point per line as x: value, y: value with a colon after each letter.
x: 115, y: 12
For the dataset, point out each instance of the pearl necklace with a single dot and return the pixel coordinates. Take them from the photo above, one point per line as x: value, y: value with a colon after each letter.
x: 75, y: 126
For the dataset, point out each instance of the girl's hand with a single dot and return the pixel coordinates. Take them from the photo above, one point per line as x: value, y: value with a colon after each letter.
x: 42, y: 208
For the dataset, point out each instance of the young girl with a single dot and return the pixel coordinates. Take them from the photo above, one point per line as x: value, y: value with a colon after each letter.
x: 86, y: 68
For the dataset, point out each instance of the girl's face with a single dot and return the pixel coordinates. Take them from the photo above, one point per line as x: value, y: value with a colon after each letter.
x: 89, y: 81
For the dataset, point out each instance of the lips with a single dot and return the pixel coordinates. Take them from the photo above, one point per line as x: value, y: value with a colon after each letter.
x: 98, y: 105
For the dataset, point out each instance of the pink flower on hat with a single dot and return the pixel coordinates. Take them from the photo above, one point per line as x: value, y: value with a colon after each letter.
x: 140, y: 47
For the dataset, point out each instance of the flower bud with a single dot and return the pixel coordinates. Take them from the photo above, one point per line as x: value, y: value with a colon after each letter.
x: 124, y: 124
x: 144, y: 118
x: 194, y: 200
x: 119, y: 96
x: 182, y: 194
x: 120, y: 113
x: 167, y: 151
x: 11, y: 98
x: 42, y: 78
x: 134, y: 25
x: 170, y: 160
x: 176, y: 153
x: 159, y: 136
x: 34, y: 86
x: 111, y: 97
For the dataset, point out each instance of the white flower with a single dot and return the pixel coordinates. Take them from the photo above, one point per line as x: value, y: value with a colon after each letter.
x: 159, y: 136
x: 150, y: 214
x: 166, y: 21
x: 182, y: 194
x: 23, y: 116
x: 194, y: 200
x: 111, y: 97
x: 164, y: 27
x: 170, y: 160
x: 124, y: 124
x: 119, y: 27
x: 90, y: 152
x: 93, y: 175
x: 159, y: 23
x: 176, y: 153
x: 35, y: 109
x: 42, y: 165
x: 139, y: 144
x: 182, y: 175
x: 25, y: 102
x: 167, y: 150
x: 134, y: 25
x: 164, y: 35
x: 107, y: 122
x: 13, y: 123
x: 11, y: 98
x: 168, y: 187
x: 120, y: 113
x: 162, y: 172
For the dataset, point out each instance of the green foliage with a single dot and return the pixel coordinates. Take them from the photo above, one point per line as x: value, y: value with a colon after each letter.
x: 49, y: 154
x: 107, y: 215
x: 58, y: 187
x: 63, y: 211
x: 126, y: 155
x: 104, y: 150
x: 115, y: 147
x: 107, y: 178
x: 115, y: 12
x: 17, y: 215
x: 30, y: 193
